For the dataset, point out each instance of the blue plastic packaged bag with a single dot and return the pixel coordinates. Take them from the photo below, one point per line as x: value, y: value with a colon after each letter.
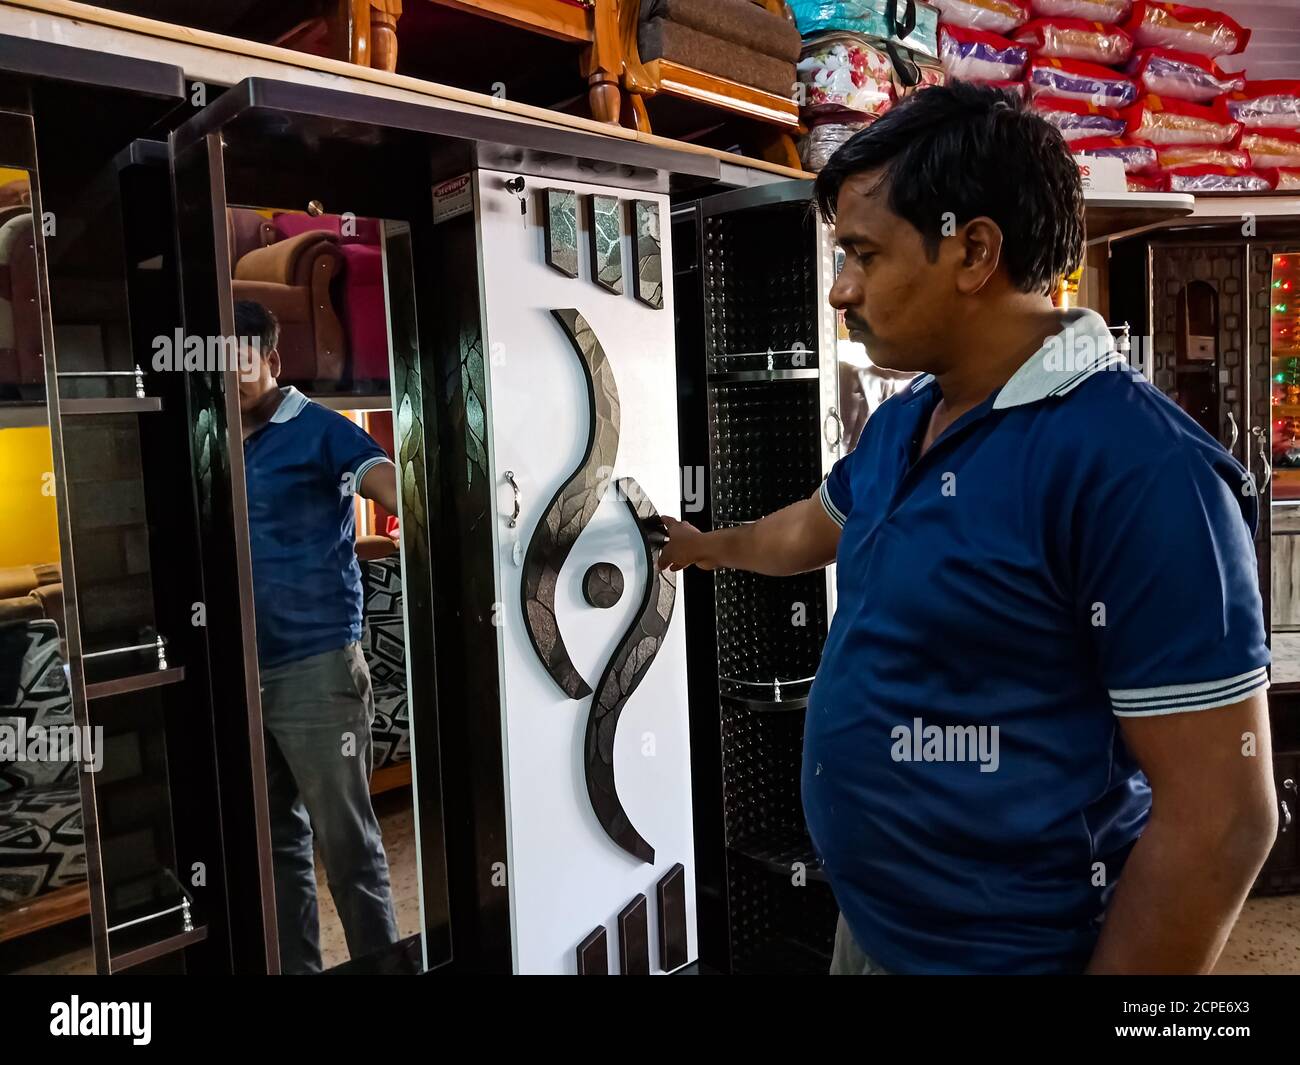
x: 913, y: 24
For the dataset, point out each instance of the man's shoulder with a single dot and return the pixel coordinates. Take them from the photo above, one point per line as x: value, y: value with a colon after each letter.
x: 320, y: 418
x: 1118, y: 413
x: 1121, y: 434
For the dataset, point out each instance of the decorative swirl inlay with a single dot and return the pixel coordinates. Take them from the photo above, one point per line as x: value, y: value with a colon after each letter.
x: 626, y: 669
x: 571, y: 508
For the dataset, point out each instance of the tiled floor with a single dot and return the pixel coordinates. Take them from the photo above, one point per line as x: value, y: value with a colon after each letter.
x: 1266, y: 940
x: 1285, y: 649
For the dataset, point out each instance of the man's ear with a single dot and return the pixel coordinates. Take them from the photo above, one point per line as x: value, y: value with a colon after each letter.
x: 981, y: 251
x: 273, y: 362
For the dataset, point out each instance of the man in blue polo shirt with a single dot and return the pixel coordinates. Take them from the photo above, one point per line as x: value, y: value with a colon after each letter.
x: 1047, y: 663
x: 303, y: 466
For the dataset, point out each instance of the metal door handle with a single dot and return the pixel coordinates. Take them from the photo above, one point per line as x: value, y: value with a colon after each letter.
x: 1263, y: 457
x: 1236, y: 433
x: 514, y: 518
x: 833, y: 416
x: 1286, y: 815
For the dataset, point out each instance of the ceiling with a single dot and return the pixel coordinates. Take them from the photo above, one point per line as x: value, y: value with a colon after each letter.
x: 1274, y: 49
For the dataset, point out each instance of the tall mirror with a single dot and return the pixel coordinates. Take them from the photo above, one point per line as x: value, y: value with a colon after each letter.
x: 321, y: 303
x: 44, y: 900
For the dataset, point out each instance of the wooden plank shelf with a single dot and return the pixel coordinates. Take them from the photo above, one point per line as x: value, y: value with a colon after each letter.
x: 24, y: 415
x: 170, y: 945
x: 390, y: 778
x: 45, y: 911
x: 110, y: 405
x: 139, y: 682
x: 343, y: 401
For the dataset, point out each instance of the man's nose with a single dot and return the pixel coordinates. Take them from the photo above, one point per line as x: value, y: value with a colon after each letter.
x: 846, y: 292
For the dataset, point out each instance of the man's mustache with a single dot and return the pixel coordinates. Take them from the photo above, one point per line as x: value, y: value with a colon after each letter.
x: 856, y: 324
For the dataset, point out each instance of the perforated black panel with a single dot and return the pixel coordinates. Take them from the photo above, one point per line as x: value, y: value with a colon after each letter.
x: 760, y: 286
x: 761, y: 756
x: 777, y: 926
x: 759, y: 387
x: 765, y: 450
x: 769, y: 628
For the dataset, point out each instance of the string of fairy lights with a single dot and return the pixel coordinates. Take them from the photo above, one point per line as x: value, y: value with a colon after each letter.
x: 1285, y: 308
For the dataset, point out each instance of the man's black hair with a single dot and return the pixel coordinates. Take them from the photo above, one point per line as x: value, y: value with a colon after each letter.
x: 955, y: 152
x: 254, y: 321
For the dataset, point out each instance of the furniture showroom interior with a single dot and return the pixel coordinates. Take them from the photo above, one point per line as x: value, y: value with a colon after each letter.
x: 531, y: 624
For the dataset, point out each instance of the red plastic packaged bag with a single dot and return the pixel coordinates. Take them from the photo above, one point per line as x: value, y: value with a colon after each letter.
x: 1181, y: 75
x: 1272, y: 104
x: 1073, y: 38
x: 1017, y: 89
x: 1219, y: 179
x: 1078, y: 120
x: 995, y: 16
x: 1093, y: 10
x: 1077, y: 80
x: 1157, y: 120
x: 1137, y: 158
x: 1288, y: 179
x: 1177, y: 155
x: 1155, y: 24
x: 975, y: 55
x: 1272, y: 148
x: 1146, y: 182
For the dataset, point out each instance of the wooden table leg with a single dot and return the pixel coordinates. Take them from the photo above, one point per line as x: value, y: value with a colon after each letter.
x: 383, y: 40
x: 605, y: 97
x: 358, y: 23
x: 602, y: 63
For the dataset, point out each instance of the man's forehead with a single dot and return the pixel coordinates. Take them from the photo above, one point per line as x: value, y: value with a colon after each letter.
x: 862, y: 207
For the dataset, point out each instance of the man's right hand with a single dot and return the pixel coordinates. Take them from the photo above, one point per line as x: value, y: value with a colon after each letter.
x: 797, y: 539
x: 686, y: 546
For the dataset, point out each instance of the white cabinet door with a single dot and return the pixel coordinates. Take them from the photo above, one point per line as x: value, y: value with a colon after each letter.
x: 567, y: 876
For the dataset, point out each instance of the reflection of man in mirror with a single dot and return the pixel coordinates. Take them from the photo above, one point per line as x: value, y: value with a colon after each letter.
x: 864, y: 386
x: 303, y: 466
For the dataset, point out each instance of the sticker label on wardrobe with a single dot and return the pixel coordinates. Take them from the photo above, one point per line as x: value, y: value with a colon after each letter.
x: 452, y: 198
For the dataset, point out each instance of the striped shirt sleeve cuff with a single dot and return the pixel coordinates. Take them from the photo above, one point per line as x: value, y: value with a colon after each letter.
x: 1181, y: 698
x: 365, y: 468
x: 831, y: 509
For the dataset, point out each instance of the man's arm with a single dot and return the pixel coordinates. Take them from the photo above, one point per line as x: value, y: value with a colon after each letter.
x: 1213, y: 821
x: 379, y: 484
x: 796, y: 539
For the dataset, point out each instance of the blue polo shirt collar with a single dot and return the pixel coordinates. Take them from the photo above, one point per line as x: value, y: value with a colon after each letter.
x: 1082, y: 347
x: 291, y: 406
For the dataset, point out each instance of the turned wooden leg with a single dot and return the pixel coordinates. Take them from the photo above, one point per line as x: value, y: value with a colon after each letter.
x: 359, y: 32
x: 605, y: 97
x: 383, y: 41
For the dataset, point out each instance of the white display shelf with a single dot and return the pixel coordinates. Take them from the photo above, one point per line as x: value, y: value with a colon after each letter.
x: 1116, y: 214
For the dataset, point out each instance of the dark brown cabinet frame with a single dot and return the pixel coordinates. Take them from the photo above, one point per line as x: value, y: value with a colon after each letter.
x: 270, y: 143
x: 84, y: 114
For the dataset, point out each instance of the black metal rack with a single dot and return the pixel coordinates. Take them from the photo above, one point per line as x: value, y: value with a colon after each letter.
x: 759, y: 395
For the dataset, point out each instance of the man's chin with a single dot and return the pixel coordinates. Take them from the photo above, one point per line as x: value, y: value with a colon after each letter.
x: 884, y: 358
